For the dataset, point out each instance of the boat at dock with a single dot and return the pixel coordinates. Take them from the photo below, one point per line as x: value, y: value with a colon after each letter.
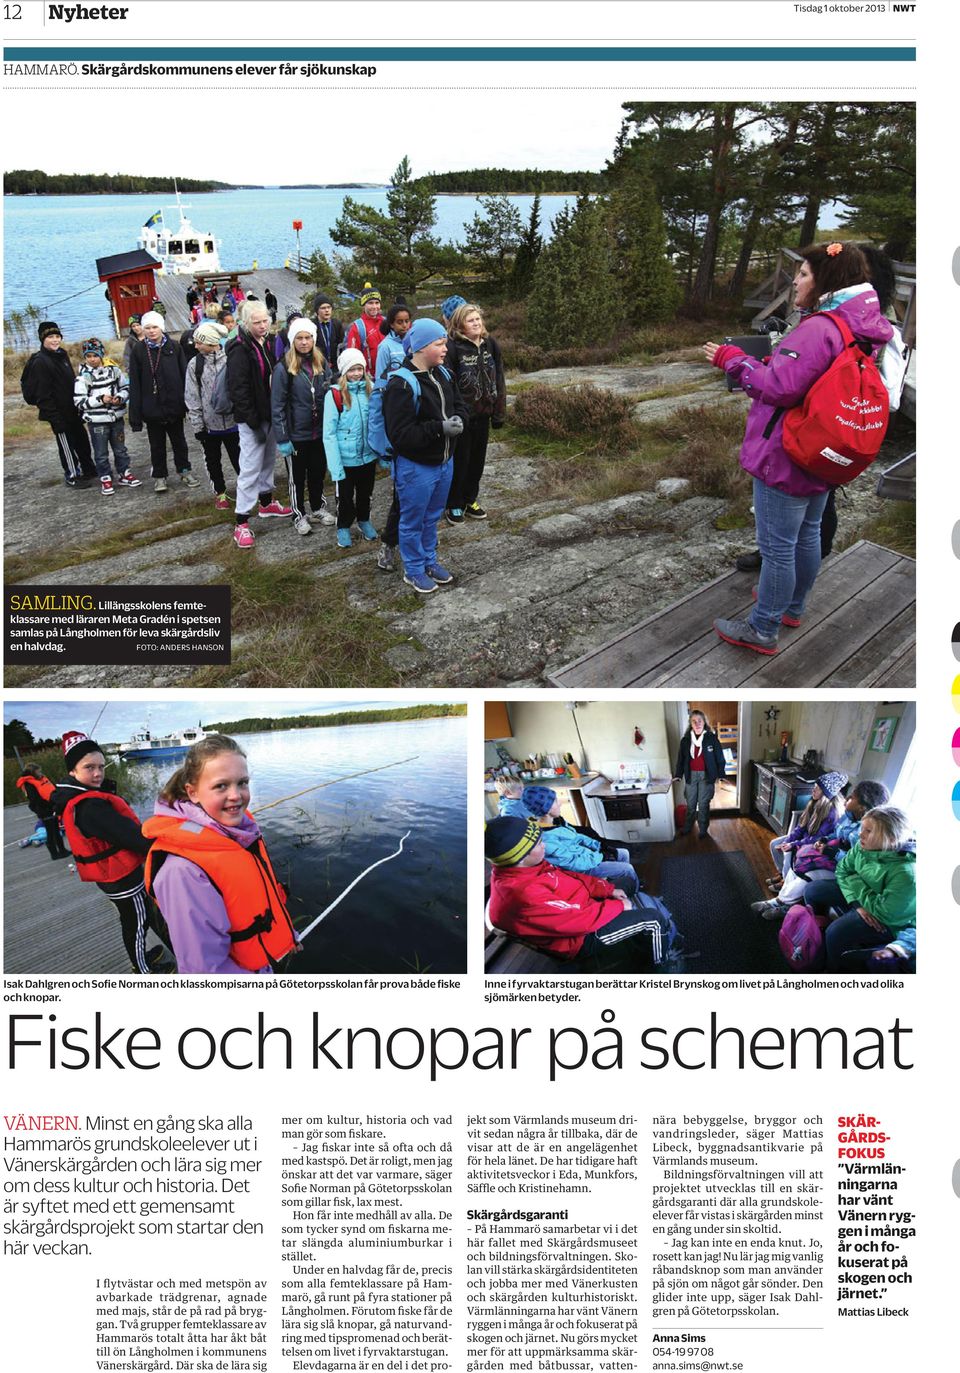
x: 184, y: 250
x: 145, y: 745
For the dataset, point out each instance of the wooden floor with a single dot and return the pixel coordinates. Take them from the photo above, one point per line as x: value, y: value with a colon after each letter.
x: 859, y: 631
x: 504, y: 956
x: 53, y: 922
x: 285, y: 285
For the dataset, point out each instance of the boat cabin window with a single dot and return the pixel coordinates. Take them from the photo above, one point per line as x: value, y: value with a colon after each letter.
x: 191, y: 246
x: 175, y: 246
x: 208, y: 245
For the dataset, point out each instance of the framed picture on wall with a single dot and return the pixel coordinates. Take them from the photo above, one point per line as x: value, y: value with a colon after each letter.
x: 883, y: 732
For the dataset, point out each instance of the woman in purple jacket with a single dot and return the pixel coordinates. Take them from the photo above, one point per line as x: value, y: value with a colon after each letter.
x: 788, y: 502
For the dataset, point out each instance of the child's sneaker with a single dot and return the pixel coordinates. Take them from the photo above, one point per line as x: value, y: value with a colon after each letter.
x: 188, y: 479
x: 106, y: 486
x: 221, y: 501
x: 439, y: 574
x: 303, y: 525
x: 323, y: 517
x: 243, y: 536
x: 159, y: 486
x: 343, y: 538
x: 475, y: 511
x: 385, y: 560
x: 274, y: 511
x: 455, y: 516
x: 367, y: 530
x: 129, y: 480
x: 420, y: 582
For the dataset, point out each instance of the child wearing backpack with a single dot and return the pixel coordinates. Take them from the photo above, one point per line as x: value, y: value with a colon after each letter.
x: 878, y: 877
x: 366, y: 332
x: 799, y: 852
x: 47, y: 382
x: 423, y: 414
x: 100, y: 395
x: 207, y: 397
x: 833, y: 280
x: 476, y: 364
x: 351, y: 460
x: 300, y: 382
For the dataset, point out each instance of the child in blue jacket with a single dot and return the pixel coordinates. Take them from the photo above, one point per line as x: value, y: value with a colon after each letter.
x: 567, y: 848
x: 351, y: 461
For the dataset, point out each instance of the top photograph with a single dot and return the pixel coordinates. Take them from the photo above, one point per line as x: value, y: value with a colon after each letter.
x: 586, y: 392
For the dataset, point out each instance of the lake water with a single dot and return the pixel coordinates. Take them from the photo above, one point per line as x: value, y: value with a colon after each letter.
x: 407, y: 916
x: 51, y: 243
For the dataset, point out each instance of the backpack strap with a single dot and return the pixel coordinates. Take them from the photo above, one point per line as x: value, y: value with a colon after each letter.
x: 337, y: 398
x: 198, y: 370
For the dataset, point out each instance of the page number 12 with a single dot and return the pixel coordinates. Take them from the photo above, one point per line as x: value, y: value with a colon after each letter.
x: 13, y: 11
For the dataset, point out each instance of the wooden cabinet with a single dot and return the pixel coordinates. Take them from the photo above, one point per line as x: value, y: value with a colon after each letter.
x: 777, y: 796
x: 496, y: 720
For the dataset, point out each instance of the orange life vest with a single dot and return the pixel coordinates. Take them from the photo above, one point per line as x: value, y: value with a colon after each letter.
x: 98, y: 860
x: 261, y: 930
x: 42, y: 785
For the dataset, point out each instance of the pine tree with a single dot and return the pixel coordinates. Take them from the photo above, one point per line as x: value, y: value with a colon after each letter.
x: 639, y: 234
x: 573, y: 282
x: 525, y: 262
x: 395, y: 250
x: 492, y: 238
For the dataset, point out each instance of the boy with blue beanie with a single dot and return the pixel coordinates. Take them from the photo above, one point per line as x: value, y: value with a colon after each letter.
x: 423, y: 414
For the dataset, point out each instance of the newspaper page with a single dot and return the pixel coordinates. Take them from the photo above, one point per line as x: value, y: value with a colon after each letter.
x: 462, y: 725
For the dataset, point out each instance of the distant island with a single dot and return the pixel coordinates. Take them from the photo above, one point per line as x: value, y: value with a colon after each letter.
x: 507, y: 181
x: 335, y: 186
x: 263, y: 724
x: 35, y: 182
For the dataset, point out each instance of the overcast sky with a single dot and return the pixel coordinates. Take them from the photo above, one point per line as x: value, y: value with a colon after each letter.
x: 49, y: 719
x: 439, y: 131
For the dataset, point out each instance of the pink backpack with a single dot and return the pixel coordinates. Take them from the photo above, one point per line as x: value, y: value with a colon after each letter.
x: 801, y: 940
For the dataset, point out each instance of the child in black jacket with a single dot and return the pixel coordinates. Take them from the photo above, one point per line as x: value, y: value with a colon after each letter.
x: 47, y: 382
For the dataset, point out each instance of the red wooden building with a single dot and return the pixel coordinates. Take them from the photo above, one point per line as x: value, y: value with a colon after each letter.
x: 131, y: 288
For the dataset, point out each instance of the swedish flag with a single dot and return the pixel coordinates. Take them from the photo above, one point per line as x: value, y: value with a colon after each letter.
x: 155, y: 218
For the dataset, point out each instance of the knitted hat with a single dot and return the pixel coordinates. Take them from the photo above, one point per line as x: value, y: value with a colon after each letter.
x: 832, y: 783
x: 76, y: 745
x: 369, y: 293
x: 450, y: 304
x: 321, y: 299
x: 421, y: 333
x: 134, y: 319
x: 153, y: 317
x: 350, y: 357
x: 508, y: 839
x: 538, y: 800
x: 301, y: 326
x: 92, y: 345
x: 47, y: 327
x: 210, y: 332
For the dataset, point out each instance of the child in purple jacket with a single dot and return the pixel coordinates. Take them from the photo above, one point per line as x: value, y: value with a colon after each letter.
x: 794, y: 853
x: 788, y: 502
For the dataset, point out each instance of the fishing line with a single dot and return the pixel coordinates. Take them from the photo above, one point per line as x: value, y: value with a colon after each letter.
x: 323, y: 914
x: 333, y: 781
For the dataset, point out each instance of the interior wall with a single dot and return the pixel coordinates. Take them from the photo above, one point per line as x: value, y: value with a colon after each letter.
x: 606, y: 727
x: 762, y: 734
x: 886, y: 767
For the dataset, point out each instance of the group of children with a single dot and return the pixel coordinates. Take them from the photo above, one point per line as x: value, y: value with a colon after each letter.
x: 845, y: 887
x: 196, y: 874
x: 412, y: 395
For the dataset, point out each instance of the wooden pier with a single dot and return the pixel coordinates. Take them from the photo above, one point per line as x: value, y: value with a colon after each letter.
x: 285, y: 285
x: 859, y: 631
x: 52, y: 922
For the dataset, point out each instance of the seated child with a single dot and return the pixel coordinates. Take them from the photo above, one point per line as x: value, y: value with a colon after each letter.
x: 573, y: 851
x: 878, y: 878
x: 564, y: 913
x: 822, y: 891
x: 795, y: 852
x: 510, y: 792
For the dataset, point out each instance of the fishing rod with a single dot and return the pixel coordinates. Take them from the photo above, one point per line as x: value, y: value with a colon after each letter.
x: 332, y: 783
x: 336, y: 902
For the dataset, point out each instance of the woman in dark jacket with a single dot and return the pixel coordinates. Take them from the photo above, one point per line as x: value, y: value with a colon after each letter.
x: 700, y: 766
x: 474, y: 359
x: 157, y: 372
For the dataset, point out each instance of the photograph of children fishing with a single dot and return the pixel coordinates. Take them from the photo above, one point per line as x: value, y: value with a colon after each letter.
x: 622, y: 396
x: 316, y: 839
